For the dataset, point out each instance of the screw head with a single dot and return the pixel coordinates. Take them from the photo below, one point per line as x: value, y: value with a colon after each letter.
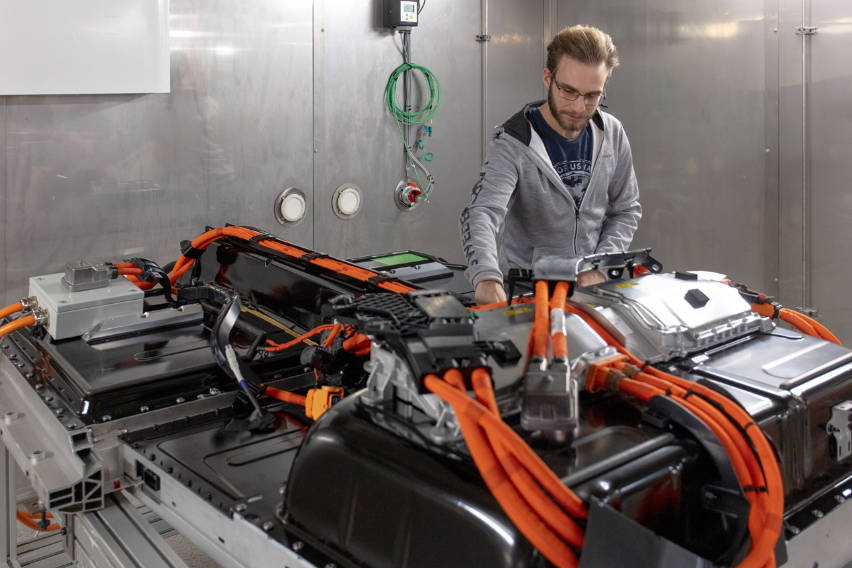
x: 267, y: 526
x: 298, y: 545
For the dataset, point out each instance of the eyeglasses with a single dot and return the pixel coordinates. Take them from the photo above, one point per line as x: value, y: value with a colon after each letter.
x: 569, y: 94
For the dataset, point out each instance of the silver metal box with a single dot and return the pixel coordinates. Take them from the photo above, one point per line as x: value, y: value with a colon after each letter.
x: 71, y: 314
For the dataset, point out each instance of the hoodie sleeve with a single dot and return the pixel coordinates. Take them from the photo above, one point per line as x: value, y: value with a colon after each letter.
x: 624, y: 210
x: 481, y: 221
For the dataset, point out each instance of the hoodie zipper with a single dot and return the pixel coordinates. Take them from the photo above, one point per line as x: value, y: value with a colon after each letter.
x: 583, y: 200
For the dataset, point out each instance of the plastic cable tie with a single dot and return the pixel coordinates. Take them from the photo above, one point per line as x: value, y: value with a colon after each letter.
x: 313, y: 256
x: 189, y: 251
x: 378, y: 279
x: 752, y: 488
x: 261, y: 236
x: 644, y: 366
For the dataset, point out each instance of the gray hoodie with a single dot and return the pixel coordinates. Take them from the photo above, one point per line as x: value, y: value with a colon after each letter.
x: 520, y: 209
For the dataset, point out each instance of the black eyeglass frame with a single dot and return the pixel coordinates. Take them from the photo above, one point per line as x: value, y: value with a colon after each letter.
x: 565, y: 92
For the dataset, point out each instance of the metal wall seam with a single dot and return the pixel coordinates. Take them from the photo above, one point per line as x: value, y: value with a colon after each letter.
x: 483, y: 45
x: 4, y: 190
x: 806, y: 299
x: 772, y: 213
x: 319, y: 178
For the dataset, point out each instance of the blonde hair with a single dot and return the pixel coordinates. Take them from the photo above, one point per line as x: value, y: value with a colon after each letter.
x: 585, y: 44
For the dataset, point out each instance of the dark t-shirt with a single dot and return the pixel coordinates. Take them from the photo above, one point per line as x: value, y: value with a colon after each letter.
x: 572, y: 159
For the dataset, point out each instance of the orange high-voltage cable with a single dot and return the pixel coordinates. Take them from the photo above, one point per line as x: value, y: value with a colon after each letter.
x: 521, y: 514
x: 765, y: 527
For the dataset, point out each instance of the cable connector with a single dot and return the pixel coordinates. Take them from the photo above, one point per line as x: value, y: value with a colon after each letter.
x: 41, y: 316
x: 601, y: 375
x: 318, y: 400
x: 29, y: 304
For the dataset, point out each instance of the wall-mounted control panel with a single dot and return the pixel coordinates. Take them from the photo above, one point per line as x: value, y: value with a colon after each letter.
x: 399, y: 13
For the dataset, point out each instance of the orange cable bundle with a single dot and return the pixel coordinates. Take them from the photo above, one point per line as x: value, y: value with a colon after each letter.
x: 17, y: 324
x: 11, y: 309
x: 493, y: 447
x: 755, y: 467
x: 276, y: 347
x: 204, y: 240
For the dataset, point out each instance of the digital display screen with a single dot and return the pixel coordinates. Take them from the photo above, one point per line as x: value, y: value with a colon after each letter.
x: 397, y: 259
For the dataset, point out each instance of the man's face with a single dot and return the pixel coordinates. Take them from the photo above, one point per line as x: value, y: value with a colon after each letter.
x: 574, y: 79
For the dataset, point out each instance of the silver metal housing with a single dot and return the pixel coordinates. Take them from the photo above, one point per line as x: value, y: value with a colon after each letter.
x: 654, y: 318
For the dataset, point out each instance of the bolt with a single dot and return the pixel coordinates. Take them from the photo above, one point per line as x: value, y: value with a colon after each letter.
x: 240, y: 507
x: 59, y: 412
x: 29, y: 374
x: 298, y: 545
x: 267, y: 526
x: 48, y: 398
x: 282, y: 489
x: 214, y: 391
x: 106, y: 418
x: 817, y: 513
x: 840, y: 499
x: 69, y: 425
x: 795, y: 530
x: 180, y: 400
x: 143, y: 409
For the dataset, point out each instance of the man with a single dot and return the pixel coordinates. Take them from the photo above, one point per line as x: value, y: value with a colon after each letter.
x: 559, y: 174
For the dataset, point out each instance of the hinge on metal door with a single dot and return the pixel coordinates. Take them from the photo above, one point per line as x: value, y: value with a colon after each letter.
x: 483, y: 38
x: 808, y: 311
x: 806, y: 30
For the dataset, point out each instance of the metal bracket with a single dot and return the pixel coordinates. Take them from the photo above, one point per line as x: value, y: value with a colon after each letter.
x: 806, y: 30
x: 808, y: 311
x: 839, y: 428
x: 481, y: 38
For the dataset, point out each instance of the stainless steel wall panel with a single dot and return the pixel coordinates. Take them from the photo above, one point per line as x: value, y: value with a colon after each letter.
x: 360, y: 143
x: 829, y: 120
x: 772, y: 201
x: 791, y: 169
x: 100, y: 176
x: 690, y: 93
x: 516, y: 57
x: 4, y: 210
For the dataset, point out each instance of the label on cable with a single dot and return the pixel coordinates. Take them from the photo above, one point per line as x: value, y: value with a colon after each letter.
x: 557, y: 321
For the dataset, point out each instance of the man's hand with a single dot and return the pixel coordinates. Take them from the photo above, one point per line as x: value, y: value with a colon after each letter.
x: 489, y: 292
x: 589, y: 278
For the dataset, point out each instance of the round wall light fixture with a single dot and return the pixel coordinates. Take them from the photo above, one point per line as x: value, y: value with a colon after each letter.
x: 346, y: 201
x: 290, y: 206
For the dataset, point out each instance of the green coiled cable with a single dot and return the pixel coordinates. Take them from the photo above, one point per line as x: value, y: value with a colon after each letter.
x: 414, y: 117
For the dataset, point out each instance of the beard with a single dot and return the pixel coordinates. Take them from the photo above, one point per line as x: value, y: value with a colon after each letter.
x: 569, y: 122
